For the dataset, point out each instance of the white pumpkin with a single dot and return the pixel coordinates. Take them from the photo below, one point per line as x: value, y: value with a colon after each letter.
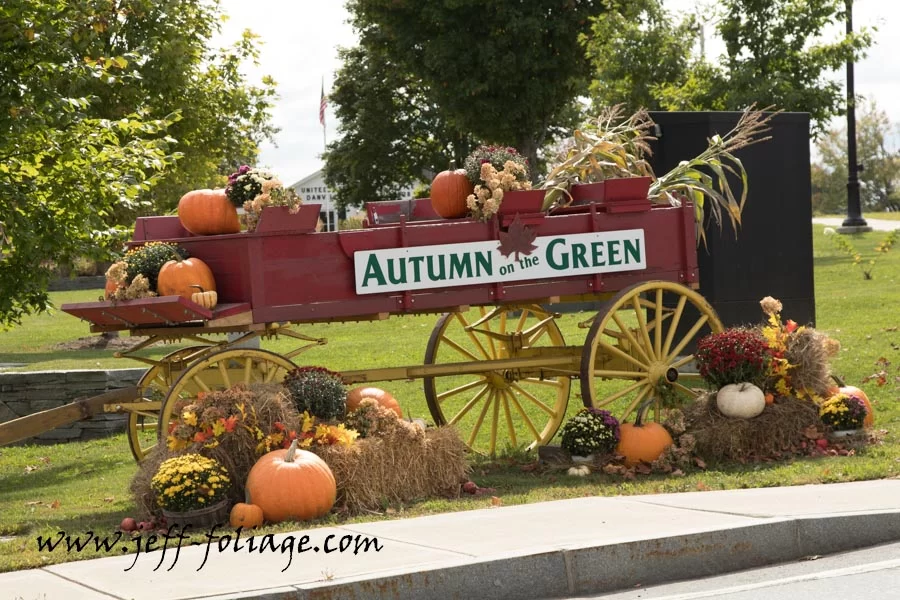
x: 580, y: 471
x: 741, y: 400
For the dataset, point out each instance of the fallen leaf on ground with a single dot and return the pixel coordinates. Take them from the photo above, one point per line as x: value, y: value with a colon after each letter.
x: 495, y: 501
x: 54, y: 504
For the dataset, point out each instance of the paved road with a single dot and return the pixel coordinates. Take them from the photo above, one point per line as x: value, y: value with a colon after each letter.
x: 870, y: 573
x: 876, y: 224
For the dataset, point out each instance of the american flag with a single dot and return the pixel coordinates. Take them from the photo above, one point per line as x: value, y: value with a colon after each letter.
x: 323, y: 102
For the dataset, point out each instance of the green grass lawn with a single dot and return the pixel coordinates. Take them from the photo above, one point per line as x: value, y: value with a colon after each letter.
x: 84, y: 486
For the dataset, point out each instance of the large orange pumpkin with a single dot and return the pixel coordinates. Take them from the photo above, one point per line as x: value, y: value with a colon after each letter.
x: 850, y: 390
x: 208, y: 212
x: 178, y: 278
x: 291, y: 484
x: 449, y: 191
x: 357, y: 395
x: 642, y: 441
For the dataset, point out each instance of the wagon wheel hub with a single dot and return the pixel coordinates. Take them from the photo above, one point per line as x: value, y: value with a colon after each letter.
x: 497, y: 381
x: 661, y: 372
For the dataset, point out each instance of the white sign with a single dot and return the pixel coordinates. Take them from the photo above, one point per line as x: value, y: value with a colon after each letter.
x: 450, y: 265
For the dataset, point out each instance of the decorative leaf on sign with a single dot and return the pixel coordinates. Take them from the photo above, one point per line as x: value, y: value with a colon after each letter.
x: 518, y: 239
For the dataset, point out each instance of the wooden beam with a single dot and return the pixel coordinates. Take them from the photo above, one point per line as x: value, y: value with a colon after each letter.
x: 47, y: 420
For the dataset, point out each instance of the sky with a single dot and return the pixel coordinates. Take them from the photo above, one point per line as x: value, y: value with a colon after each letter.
x: 300, y: 43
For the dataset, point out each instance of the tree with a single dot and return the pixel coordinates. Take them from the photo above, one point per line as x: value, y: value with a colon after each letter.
x: 880, y: 177
x: 224, y: 118
x: 634, y: 47
x: 392, y: 135
x: 62, y: 171
x: 775, y: 54
x: 505, y: 71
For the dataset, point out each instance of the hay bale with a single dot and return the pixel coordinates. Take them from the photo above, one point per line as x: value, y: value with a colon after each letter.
x: 777, y: 430
x: 237, y: 451
x: 379, y: 471
x: 807, y: 351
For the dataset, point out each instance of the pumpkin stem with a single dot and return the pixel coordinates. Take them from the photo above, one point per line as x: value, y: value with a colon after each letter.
x: 837, y: 380
x: 199, y: 287
x: 643, y: 407
x: 289, y: 457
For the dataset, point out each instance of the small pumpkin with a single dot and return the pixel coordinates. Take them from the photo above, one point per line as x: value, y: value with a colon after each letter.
x: 205, y: 298
x: 850, y: 390
x: 579, y: 471
x: 770, y: 398
x: 449, y: 190
x: 741, y: 400
x: 178, y: 278
x: 208, y: 212
x: 291, y: 484
x: 246, y: 515
x: 357, y: 395
x: 642, y: 442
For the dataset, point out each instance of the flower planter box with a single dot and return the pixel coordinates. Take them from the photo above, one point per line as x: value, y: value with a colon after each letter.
x: 522, y: 201
x: 279, y: 218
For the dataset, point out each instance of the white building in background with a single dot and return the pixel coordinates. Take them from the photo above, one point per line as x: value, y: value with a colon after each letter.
x: 313, y: 190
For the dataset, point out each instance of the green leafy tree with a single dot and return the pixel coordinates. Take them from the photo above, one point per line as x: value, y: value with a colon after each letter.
x: 775, y: 54
x: 172, y: 68
x: 505, y: 71
x: 880, y: 177
x: 62, y: 171
x: 635, y: 46
x: 392, y: 135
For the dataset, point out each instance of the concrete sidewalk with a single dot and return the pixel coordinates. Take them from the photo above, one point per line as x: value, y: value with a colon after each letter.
x: 551, y: 549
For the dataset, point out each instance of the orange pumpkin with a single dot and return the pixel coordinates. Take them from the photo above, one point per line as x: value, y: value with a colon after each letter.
x: 357, y: 395
x: 642, y: 441
x: 178, y: 278
x: 291, y: 484
x: 449, y: 190
x: 110, y: 289
x: 208, y: 212
x: 850, y: 390
x: 245, y: 515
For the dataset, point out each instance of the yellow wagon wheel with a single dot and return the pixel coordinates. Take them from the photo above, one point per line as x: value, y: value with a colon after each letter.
x: 509, y: 407
x: 635, y: 347
x: 221, y: 371
x: 154, y: 385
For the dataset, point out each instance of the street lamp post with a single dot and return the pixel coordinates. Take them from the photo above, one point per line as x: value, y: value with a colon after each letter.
x: 854, y: 223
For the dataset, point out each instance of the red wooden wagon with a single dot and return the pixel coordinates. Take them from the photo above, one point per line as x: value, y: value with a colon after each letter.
x: 496, y: 364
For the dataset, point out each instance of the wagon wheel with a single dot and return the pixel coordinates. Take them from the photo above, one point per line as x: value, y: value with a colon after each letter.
x: 511, y: 406
x: 154, y: 384
x: 634, y: 347
x: 220, y: 371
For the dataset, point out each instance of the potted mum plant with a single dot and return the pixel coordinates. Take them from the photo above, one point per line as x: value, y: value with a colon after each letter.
x: 192, y: 489
x: 845, y: 414
x: 589, y: 432
x: 502, y: 185
x: 260, y: 192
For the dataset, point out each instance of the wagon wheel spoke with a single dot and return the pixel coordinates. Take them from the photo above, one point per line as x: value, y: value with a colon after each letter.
x: 636, y: 402
x: 688, y: 337
x: 487, y: 327
x: 684, y: 360
x: 684, y: 389
x: 657, y: 324
x: 460, y: 389
x: 615, y: 351
x: 547, y: 382
x: 480, y: 420
x: 469, y: 405
x: 495, y: 422
x: 459, y: 349
x: 673, y: 326
x: 619, y: 374
x: 528, y: 423
x: 472, y: 336
x: 224, y: 373
x: 509, y: 422
x: 534, y: 400
x: 642, y: 325
x: 631, y: 339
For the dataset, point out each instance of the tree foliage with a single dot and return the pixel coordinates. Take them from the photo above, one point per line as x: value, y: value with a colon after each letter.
x: 775, y: 54
x: 880, y: 177
x: 392, y: 134
x: 92, y: 95
x: 504, y: 71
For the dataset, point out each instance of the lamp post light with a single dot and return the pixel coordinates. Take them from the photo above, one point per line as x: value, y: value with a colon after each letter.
x: 854, y: 223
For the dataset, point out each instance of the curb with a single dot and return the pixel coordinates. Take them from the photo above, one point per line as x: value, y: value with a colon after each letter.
x: 611, y: 567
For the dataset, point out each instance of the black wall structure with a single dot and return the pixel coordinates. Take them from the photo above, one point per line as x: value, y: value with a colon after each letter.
x: 772, y: 254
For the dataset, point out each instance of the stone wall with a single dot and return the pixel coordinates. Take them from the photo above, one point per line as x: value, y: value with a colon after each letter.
x: 23, y: 394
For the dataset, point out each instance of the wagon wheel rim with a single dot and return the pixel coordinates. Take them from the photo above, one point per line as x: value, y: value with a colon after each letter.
x: 639, y: 336
x: 497, y: 407
x: 221, y: 371
x: 154, y: 384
